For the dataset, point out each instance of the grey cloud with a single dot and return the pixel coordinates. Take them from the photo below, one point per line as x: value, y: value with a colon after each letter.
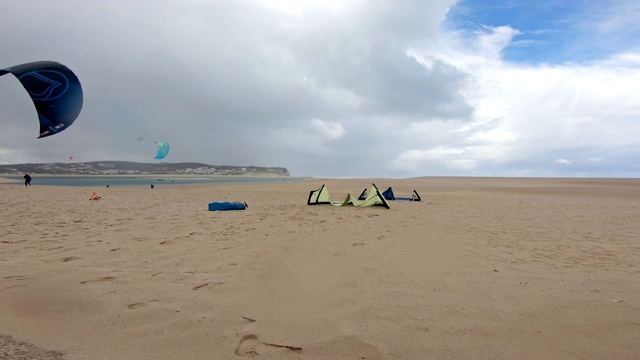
x: 226, y: 82
x: 365, y: 53
x: 330, y: 92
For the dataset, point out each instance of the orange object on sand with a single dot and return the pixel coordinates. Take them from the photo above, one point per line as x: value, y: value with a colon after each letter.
x: 94, y: 196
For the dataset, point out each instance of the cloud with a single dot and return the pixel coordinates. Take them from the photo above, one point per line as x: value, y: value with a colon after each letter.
x: 325, y: 89
x: 523, y: 112
x: 330, y: 130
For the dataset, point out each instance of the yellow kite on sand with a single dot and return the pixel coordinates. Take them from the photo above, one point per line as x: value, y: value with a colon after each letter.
x: 321, y: 196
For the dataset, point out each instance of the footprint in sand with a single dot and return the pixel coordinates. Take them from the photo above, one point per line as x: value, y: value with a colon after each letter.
x: 17, y: 277
x: 207, y: 284
x: 104, y: 278
x: 141, y: 304
x: 53, y: 248
x: 136, y: 305
x: 247, y: 346
x: 201, y: 286
x: 70, y: 258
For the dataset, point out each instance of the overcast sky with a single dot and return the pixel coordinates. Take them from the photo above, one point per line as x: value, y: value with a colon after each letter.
x: 325, y: 88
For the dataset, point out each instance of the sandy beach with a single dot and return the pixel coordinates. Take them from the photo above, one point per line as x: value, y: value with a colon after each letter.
x: 481, y: 268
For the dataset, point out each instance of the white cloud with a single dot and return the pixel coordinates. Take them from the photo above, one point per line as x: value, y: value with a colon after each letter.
x: 331, y: 130
x: 524, y: 112
x: 298, y: 7
x: 354, y: 88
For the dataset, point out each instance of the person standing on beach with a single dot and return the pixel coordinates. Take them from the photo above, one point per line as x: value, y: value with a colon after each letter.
x: 27, y: 180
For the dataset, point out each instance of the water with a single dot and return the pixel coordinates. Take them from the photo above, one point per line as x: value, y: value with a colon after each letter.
x: 129, y: 181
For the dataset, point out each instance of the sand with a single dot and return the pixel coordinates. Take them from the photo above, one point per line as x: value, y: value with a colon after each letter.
x: 482, y: 268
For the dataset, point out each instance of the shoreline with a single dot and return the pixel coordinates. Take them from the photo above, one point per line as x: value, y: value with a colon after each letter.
x: 151, y: 175
x: 139, y: 180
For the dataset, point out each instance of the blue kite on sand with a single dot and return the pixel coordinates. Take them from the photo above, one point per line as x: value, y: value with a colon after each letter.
x: 388, y: 195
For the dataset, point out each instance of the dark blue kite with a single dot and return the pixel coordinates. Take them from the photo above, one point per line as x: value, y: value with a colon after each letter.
x: 55, y: 91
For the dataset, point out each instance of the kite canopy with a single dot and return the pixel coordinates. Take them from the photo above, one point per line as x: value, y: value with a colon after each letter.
x: 388, y: 195
x: 55, y: 91
x: 321, y: 196
x: 163, y: 149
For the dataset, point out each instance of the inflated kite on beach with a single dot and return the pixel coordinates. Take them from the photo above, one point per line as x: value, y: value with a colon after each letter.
x: 321, y: 196
x: 388, y: 195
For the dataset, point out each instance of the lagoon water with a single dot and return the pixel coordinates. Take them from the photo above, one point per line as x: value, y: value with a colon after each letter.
x: 129, y: 181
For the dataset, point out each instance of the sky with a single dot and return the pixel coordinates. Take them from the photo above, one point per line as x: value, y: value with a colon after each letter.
x: 327, y: 88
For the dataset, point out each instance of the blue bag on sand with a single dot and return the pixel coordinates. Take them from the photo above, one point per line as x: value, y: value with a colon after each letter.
x: 223, y: 205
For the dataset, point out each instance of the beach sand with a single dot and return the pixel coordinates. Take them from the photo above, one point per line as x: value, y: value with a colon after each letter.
x: 481, y: 268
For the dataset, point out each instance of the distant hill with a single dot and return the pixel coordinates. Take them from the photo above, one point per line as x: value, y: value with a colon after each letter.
x: 135, y: 168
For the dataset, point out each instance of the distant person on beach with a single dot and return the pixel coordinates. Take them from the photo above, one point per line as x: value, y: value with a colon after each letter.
x: 152, y: 186
x: 27, y: 180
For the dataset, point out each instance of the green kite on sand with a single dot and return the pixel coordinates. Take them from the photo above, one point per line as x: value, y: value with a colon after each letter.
x: 321, y: 196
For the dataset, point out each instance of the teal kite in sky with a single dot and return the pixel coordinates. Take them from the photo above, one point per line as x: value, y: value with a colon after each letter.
x: 163, y: 149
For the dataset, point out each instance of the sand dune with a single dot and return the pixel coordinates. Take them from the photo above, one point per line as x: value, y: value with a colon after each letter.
x: 482, y: 268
